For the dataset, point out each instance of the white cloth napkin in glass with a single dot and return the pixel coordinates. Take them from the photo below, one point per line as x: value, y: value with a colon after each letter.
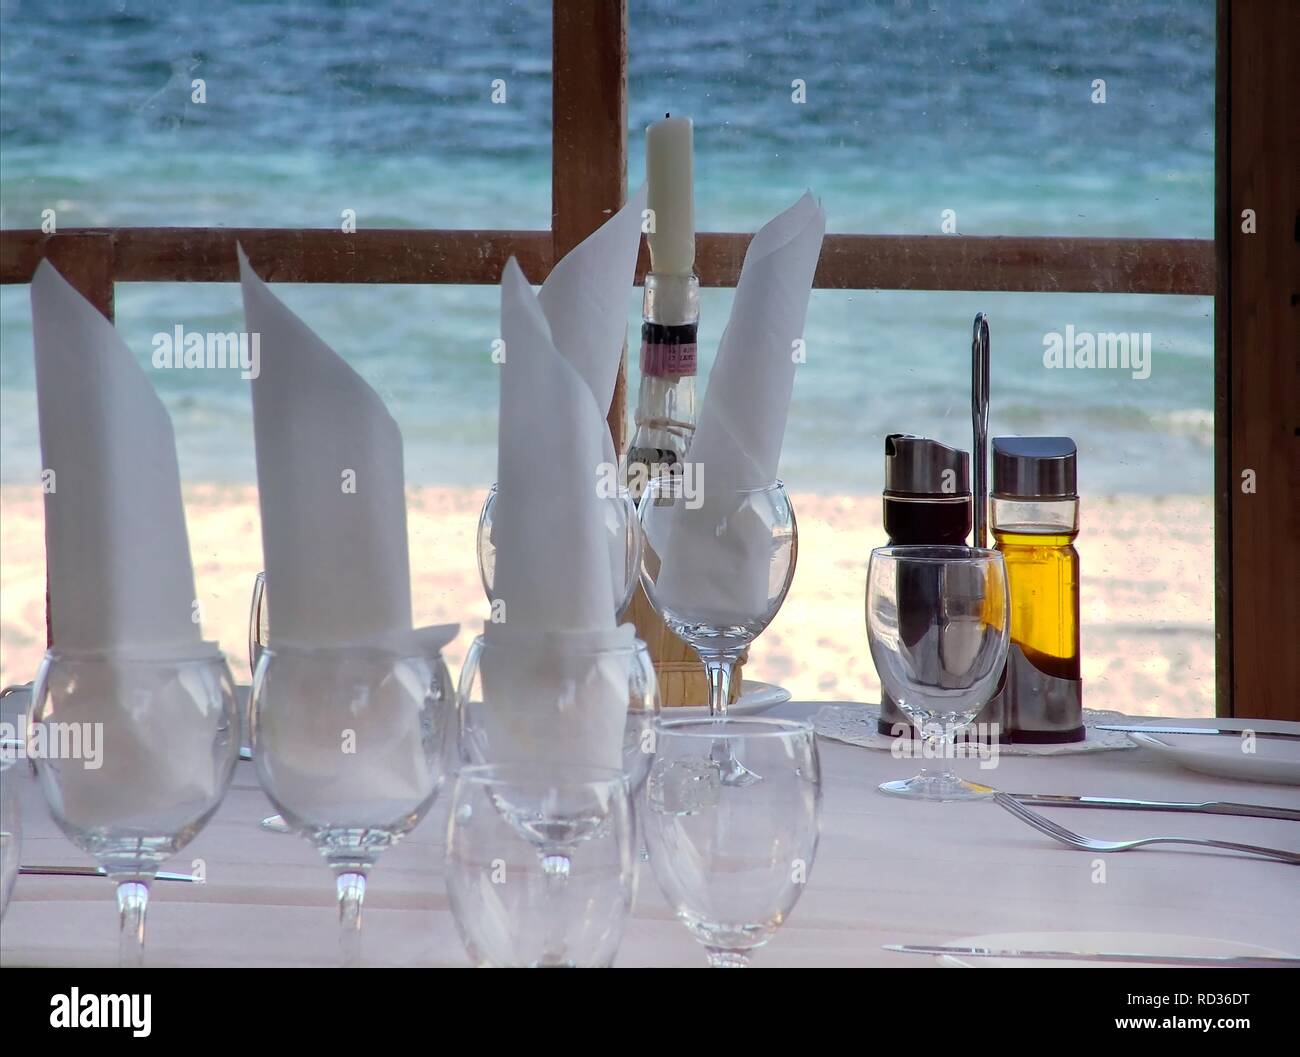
x: 118, y: 554
x: 121, y: 581
x: 332, y: 491
x: 715, y: 552
x: 554, y: 573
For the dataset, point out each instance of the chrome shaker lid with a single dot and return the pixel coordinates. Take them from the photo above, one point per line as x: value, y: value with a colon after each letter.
x: 1037, y: 467
x: 920, y: 466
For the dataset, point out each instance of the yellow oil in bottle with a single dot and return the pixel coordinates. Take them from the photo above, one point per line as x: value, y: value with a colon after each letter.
x: 1043, y: 582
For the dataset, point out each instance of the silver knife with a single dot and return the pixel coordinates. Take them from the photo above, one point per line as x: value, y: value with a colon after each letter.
x: 1227, y: 961
x: 1204, y: 807
x: 1137, y: 728
x: 94, y: 871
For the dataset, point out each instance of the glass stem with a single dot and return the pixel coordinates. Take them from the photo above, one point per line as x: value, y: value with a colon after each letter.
x: 719, y: 668
x: 720, y: 958
x: 132, y: 902
x: 937, y: 737
x: 352, y: 894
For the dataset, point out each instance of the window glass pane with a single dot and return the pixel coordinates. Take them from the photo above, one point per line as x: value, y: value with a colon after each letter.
x: 910, y: 108
x: 309, y: 108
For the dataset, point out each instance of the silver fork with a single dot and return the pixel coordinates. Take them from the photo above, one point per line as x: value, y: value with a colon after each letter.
x: 1075, y: 840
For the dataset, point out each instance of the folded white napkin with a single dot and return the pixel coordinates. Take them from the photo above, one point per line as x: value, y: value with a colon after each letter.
x: 118, y: 555
x: 715, y: 556
x: 332, y: 491
x: 549, y: 695
x: 118, y: 560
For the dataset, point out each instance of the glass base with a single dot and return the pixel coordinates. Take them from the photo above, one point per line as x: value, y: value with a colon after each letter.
x: 940, y: 787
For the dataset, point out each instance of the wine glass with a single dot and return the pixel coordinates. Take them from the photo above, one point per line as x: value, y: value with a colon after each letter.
x: 938, y: 624
x: 578, y: 688
x: 146, y: 750
x: 624, y: 538
x: 348, y: 742
x: 731, y: 858
x: 717, y: 567
x: 539, y: 863
x: 11, y: 820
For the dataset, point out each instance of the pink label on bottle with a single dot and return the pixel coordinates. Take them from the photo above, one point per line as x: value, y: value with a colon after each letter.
x: 660, y: 359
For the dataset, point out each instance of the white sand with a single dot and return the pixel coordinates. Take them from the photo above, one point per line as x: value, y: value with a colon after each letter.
x: 1148, y: 591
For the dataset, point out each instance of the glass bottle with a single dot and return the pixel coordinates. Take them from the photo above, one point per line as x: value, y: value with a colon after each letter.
x: 665, y: 407
x: 1035, y: 519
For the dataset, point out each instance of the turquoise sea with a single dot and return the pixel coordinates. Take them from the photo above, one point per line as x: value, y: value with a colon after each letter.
x: 312, y: 107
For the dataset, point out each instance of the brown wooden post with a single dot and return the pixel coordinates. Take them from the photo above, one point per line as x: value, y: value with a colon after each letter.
x: 589, y: 137
x: 86, y: 260
x: 1261, y: 469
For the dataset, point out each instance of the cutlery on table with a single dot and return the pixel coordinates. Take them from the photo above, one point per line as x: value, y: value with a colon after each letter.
x: 94, y: 871
x: 1075, y: 840
x: 1227, y: 961
x: 1139, y: 728
x: 1203, y: 807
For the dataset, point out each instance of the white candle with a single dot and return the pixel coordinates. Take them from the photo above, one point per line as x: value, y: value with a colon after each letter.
x: 669, y: 165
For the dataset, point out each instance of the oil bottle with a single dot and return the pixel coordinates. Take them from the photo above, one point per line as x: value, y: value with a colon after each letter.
x: 1035, y: 519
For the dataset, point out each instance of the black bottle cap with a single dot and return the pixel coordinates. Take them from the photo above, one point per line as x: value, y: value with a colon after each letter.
x: 922, y: 467
x: 1035, y: 467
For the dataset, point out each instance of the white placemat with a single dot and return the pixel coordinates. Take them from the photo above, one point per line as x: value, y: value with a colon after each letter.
x: 856, y: 725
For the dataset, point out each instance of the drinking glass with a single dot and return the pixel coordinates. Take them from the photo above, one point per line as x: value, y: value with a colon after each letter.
x: 732, y: 859
x: 716, y: 567
x: 11, y: 820
x: 938, y: 625
x: 139, y: 754
x: 581, y: 683
x: 539, y: 863
x: 348, y: 743
x: 624, y: 538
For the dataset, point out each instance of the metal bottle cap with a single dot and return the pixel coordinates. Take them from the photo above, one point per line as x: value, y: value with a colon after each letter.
x: 917, y: 465
x: 1039, y: 467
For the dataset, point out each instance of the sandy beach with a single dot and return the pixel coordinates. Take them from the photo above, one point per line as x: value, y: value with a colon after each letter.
x: 1147, y: 562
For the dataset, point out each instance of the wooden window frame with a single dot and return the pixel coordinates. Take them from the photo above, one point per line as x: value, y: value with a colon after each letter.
x: 1257, y: 536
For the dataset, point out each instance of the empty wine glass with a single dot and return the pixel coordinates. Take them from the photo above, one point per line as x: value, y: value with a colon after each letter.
x: 624, y: 537
x: 348, y: 742
x: 731, y: 858
x: 138, y: 756
x: 539, y: 863
x: 717, y: 567
x: 938, y: 625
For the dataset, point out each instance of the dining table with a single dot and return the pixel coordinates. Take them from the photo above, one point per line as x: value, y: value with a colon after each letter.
x: 887, y: 871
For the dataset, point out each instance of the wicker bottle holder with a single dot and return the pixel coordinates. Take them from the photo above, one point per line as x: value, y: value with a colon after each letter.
x: 682, y: 679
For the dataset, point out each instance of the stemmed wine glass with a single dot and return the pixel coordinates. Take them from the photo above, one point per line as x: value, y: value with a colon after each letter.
x: 938, y: 623
x: 539, y: 863
x: 623, y: 536
x: 349, y: 745
x: 155, y: 746
x: 717, y: 567
x: 732, y: 858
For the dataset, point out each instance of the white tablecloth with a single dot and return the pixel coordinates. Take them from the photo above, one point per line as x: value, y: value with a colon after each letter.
x: 887, y: 871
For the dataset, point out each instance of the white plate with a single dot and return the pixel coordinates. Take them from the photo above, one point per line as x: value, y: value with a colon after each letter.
x: 754, y: 697
x: 1155, y: 943
x: 1275, y: 760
